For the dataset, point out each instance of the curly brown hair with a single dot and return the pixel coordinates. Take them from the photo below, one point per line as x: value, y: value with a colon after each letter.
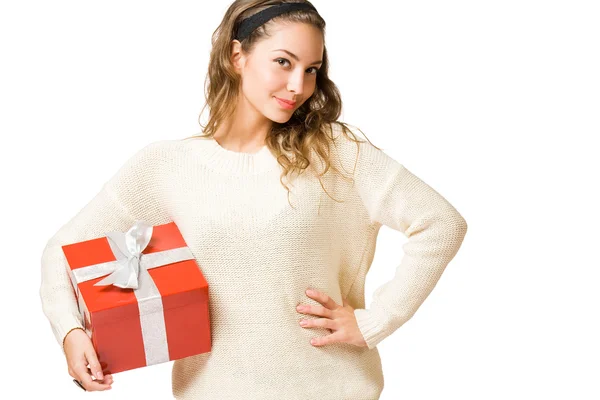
x: 311, y: 127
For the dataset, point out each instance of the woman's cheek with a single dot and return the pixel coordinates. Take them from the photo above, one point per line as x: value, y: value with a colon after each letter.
x: 272, y: 79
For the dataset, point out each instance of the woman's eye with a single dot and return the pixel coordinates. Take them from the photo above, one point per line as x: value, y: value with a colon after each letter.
x: 281, y: 59
x: 284, y: 60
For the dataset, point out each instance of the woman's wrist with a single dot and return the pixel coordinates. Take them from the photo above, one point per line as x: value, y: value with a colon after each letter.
x: 71, y: 330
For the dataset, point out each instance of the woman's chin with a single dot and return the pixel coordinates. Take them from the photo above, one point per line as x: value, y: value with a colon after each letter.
x: 280, y: 117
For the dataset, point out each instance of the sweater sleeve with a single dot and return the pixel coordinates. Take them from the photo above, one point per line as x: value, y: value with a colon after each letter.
x: 395, y: 197
x: 122, y: 199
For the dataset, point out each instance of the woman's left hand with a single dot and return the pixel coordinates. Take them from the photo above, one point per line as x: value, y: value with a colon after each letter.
x: 339, y: 319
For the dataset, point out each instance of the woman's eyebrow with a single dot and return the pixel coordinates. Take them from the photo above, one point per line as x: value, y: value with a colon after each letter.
x: 295, y: 57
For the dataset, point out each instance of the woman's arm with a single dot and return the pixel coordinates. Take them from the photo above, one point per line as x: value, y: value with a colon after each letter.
x: 127, y: 196
x: 395, y: 197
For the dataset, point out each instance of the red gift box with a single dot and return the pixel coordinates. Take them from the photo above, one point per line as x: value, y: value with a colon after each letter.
x: 153, y: 305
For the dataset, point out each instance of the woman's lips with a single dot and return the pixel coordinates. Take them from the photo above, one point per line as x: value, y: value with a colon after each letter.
x: 285, y: 104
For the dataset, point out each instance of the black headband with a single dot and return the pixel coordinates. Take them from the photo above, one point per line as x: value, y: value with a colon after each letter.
x: 248, y: 25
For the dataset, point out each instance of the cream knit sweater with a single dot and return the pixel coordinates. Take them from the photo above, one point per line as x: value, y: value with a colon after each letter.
x: 259, y: 255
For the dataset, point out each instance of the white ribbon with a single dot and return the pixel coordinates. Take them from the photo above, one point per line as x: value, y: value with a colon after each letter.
x: 130, y: 271
x: 129, y: 247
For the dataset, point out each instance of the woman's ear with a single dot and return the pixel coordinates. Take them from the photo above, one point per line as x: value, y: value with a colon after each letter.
x: 237, y: 59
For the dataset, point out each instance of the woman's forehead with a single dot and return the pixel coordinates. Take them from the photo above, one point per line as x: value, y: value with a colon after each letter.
x: 304, y: 41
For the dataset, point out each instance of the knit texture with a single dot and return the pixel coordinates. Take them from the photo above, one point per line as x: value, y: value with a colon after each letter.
x: 259, y: 254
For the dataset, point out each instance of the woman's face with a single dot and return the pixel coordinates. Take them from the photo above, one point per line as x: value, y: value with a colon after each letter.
x: 282, y: 66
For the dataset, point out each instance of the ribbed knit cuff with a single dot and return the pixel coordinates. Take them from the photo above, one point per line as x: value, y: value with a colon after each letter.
x: 63, y: 326
x: 371, y: 326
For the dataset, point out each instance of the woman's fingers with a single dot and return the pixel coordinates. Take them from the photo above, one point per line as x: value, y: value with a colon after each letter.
x: 108, y: 378
x: 94, y: 367
x: 83, y: 362
x: 94, y: 364
x: 83, y: 375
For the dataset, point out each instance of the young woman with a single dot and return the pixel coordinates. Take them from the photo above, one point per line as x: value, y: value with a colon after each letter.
x: 276, y: 196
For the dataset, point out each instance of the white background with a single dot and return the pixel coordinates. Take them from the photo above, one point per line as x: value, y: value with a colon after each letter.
x: 496, y: 105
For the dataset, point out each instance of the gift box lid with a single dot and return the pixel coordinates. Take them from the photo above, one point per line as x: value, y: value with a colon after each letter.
x: 179, y: 283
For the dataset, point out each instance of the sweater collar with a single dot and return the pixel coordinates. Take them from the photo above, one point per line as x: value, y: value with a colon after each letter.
x: 219, y: 158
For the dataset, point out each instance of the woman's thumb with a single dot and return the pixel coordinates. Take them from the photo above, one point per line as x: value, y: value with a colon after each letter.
x: 95, y: 367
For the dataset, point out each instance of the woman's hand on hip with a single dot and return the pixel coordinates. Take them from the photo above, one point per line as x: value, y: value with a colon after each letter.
x: 339, y: 319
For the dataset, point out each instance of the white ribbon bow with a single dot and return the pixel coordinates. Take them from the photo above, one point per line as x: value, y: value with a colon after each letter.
x: 129, y: 246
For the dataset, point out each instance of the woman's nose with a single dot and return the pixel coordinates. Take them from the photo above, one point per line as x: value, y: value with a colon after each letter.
x: 296, y: 85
